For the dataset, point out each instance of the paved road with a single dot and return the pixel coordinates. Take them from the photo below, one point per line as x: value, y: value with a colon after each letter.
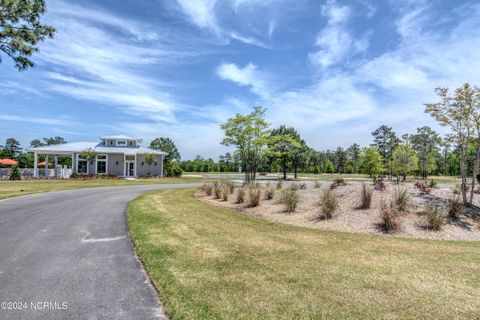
x: 71, y: 249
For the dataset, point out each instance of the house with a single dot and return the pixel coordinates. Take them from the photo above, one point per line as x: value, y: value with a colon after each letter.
x: 116, y: 155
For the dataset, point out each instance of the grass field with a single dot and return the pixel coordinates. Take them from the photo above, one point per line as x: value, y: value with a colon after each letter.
x: 214, y: 263
x: 18, y: 188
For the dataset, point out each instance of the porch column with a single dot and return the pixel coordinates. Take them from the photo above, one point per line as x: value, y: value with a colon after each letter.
x: 135, y: 167
x: 46, y: 166
x: 35, y: 164
x: 73, y: 162
x: 55, y: 158
x: 161, y: 165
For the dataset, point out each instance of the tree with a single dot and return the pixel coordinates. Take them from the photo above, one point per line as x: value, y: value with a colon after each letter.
x: 54, y: 140
x: 425, y: 143
x: 404, y: 160
x: 385, y: 139
x: 11, y: 149
x: 149, y: 160
x: 282, y: 145
x: 456, y: 113
x: 89, y: 155
x: 35, y: 143
x: 166, y: 145
x: 15, y: 174
x: 354, y: 154
x: 249, y: 134
x: 21, y: 30
x: 371, y: 161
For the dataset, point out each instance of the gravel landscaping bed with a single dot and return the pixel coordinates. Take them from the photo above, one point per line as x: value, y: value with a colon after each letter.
x: 348, y: 217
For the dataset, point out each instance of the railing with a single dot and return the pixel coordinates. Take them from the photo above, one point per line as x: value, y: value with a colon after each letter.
x: 28, y: 173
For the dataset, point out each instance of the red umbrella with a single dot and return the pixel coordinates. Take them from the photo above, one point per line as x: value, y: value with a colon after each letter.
x: 8, y: 162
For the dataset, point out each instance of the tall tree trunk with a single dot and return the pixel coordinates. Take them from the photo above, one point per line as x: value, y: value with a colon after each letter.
x: 296, y: 171
x: 463, y: 164
x: 475, y: 172
x: 284, y: 165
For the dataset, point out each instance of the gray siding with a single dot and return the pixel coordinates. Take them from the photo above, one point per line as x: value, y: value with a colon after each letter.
x: 113, y: 143
x: 113, y: 168
x: 145, y: 169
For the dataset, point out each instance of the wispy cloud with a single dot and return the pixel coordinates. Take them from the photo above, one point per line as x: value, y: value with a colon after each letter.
x: 36, y: 120
x: 248, y: 76
x: 201, y: 13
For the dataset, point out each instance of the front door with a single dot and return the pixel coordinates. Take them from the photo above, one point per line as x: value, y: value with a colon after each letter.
x: 129, y: 168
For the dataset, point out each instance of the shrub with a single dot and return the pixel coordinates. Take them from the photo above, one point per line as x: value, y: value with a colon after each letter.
x: 254, y: 196
x: 390, y: 217
x: 15, y: 174
x: 340, y: 182
x: 456, y: 190
x: 241, y: 195
x: 225, y: 192
x: 401, y: 199
x: 318, y: 185
x: 290, y: 199
x: 455, y: 206
x: 208, y: 189
x: 435, y: 218
x: 217, y: 191
x: 422, y: 187
x: 269, y: 193
x: 333, y: 185
x: 294, y: 186
x: 302, y: 186
x: 328, y: 204
x: 365, y: 197
x: 229, y: 185
x: 379, y: 184
x: 279, y: 184
x: 432, y: 183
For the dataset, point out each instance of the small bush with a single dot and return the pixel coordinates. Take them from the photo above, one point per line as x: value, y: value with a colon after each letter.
x: 455, y: 206
x: 229, y: 185
x: 333, y: 185
x: 401, y: 199
x: 290, y: 199
x: 340, y: 182
x: 294, y: 186
x: 456, y: 190
x: 390, y: 217
x: 225, y: 192
x: 432, y: 183
x: 254, y: 195
x: 422, y: 187
x: 302, y: 186
x: 241, y: 195
x: 208, y: 189
x: 279, y: 184
x: 379, y: 184
x: 15, y: 174
x: 328, y: 204
x: 365, y: 197
x: 269, y: 193
x: 217, y: 191
x: 435, y: 218
x: 318, y: 185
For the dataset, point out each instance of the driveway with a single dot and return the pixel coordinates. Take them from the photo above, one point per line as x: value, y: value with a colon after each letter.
x: 67, y: 255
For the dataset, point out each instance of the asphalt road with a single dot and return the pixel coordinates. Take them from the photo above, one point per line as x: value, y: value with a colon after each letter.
x: 67, y: 255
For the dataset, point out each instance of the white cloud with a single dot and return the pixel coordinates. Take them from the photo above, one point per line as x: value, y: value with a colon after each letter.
x: 201, y: 13
x: 36, y: 120
x: 335, y: 41
x: 248, y: 76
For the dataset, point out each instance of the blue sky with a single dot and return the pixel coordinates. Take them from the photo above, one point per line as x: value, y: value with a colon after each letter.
x: 335, y: 70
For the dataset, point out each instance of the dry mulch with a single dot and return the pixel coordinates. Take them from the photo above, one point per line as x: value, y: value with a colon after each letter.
x: 348, y: 217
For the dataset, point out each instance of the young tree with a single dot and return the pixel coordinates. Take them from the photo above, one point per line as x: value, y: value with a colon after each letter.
x: 425, y: 143
x: 250, y: 135
x: 371, y: 161
x: 283, y: 145
x: 89, y: 155
x: 21, y: 30
x: 471, y: 97
x: 404, y: 160
x: 15, y: 174
x: 456, y: 113
x: 385, y: 139
x: 149, y: 160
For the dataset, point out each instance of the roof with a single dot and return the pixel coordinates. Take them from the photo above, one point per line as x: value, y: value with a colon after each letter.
x: 68, y: 148
x: 120, y: 137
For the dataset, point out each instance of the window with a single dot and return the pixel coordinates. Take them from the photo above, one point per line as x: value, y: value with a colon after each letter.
x: 101, y: 164
x: 82, y: 165
x: 121, y: 143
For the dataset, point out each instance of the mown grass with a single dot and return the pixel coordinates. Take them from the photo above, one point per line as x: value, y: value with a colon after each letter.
x: 214, y: 263
x: 23, y: 187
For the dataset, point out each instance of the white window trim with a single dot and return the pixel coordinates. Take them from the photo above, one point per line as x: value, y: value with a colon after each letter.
x: 102, y: 160
x: 88, y: 164
x: 122, y: 145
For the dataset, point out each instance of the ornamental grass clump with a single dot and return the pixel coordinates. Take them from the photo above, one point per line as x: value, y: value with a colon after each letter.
x: 229, y: 185
x: 365, y: 197
x: 318, y: 184
x: 290, y: 199
x: 279, y: 184
x: 254, y: 195
x: 435, y: 218
x: 225, y: 192
x: 390, y: 217
x: 328, y: 204
x: 217, y: 191
x: 455, y: 206
x: 241, y: 195
x: 302, y: 186
x: 269, y: 193
x: 401, y: 199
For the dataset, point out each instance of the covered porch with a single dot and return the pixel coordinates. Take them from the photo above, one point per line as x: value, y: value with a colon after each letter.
x: 58, y: 171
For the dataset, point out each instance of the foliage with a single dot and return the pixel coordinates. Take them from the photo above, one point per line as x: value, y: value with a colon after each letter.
x: 379, y: 184
x: 435, y: 217
x: 422, y: 187
x: 290, y: 199
x: 385, y: 140
x: 371, y: 161
x: 401, y: 199
x: 279, y: 184
x: 404, y: 160
x: 302, y: 186
x: 217, y: 190
x: 425, y: 142
x: 241, y: 195
x: 11, y: 149
x: 328, y: 204
x: 317, y: 184
x: 432, y: 183
x: 21, y: 30
x: 282, y: 145
x: 249, y: 134
x: 15, y: 174
x: 166, y: 145
x: 365, y: 197
x: 225, y: 192
x: 390, y: 217
x: 269, y: 193
x: 455, y: 206
x: 173, y: 170
x: 254, y: 194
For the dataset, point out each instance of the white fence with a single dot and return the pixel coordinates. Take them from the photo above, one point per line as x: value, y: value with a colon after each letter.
x: 58, y: 173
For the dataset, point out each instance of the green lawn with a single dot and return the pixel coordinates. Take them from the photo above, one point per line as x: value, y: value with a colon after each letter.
x: 214, y: 263
x: 18, y: 188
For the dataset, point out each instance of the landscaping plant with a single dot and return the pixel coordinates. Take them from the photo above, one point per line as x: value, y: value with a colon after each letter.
x: 328, y: 204
x: 401, y: 199
x: 15, y: 174
x: 279, y: 184
x: 254, y: 194
x: 290, y: 199
x: 390, y: 217
x: 455, y: 206
x: 365, y: 197
x: 241, y: 195
x: 435, y: 218
x: 318, y: 184
x: 269, y: 193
